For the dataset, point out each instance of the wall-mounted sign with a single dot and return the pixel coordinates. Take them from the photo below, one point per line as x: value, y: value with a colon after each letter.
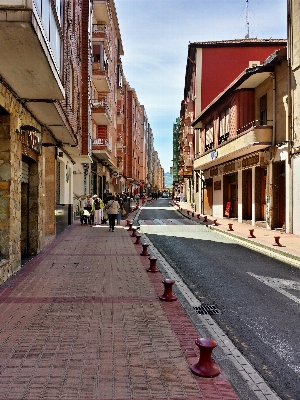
x: 31, y: 138
x: 188, y: 174
x: 214, y: 154
x: 217, y: 185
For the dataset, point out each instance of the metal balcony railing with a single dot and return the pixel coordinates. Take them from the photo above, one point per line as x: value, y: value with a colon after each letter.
x: 99, y: 28
x: 209, y: 146
x: 223, y: 138
x: 254, y: 124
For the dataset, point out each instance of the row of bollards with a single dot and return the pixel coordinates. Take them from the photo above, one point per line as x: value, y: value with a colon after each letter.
x: 205, y: 367
x: 251, y: 235
x: 230, y: 228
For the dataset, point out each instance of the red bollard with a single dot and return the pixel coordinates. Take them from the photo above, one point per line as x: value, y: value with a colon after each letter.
x: 153, y: 267
x: 138, y: 239
x: 277, y: 238
x: 127, y: 222
x: 168, y: 295
x: 145, y: 251
x: 251, y: 233
x: 198, y: 216
x: 215, y: 222
x: 230, y: 227
x: 188, y: 212
x: 205, y: 218
x: 133, y: 232
x: 193, y: 214
x: 205, y: 367
x: 130, y: 227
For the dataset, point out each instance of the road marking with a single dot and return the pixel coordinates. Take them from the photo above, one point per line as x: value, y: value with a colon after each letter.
x: 279, y: 285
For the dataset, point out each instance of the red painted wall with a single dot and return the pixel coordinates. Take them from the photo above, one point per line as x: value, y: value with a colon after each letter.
x: 222, y: 65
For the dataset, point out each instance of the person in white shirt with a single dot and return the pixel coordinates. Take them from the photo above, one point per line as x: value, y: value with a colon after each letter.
x: 112, y: 209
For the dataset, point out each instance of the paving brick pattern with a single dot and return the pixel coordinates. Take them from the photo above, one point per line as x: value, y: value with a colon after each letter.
x: 82, y: 320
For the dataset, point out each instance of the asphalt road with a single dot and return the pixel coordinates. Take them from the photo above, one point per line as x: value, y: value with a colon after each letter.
x: 259, y: 297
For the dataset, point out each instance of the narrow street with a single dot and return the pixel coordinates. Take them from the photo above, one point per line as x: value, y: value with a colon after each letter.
x: 256, y: 297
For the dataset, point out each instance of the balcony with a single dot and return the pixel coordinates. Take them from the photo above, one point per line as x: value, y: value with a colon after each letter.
x: 120, y: 116
x: 100, y: 35
x: 101, y: 148
x: 190, y: 136
x: 100, y: 77
x: 30, y: 65
x: 254, y: 138
x: 101, y: 113
x: 101, y: 11
x: 120, y: 93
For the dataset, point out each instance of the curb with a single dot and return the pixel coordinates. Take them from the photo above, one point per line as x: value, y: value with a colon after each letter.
x: 272, y: 252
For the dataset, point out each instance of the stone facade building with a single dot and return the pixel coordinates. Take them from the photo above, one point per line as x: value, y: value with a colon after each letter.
x: 39, y: 109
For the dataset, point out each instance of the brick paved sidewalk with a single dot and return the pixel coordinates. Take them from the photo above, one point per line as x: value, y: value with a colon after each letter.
x: 82, y: 320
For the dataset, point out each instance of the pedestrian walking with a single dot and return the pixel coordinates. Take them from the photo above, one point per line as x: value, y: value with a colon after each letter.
x: 112, y: 209
x: 119, y: 215
x: 97, y: 209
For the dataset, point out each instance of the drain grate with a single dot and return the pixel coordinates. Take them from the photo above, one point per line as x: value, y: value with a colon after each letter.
x: 7, y: 284
x: 210, y: 309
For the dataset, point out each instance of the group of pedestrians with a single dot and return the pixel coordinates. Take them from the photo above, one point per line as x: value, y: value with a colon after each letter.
x: 96, y: 211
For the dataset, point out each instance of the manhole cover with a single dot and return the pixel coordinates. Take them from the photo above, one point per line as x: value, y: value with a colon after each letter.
x: 210, y: 309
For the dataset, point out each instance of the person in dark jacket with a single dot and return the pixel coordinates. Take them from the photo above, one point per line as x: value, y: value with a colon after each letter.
x: 119, y: 216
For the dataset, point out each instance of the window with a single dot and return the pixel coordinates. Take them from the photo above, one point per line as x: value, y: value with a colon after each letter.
x: 263, y: 110
x: 224, y: 126
x: 72, y: 88
x: 209, y: 136
x: 100, y: 57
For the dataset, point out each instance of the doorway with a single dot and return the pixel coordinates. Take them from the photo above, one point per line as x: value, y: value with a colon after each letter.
x: 25, y: 210
x: 281, y: 195
x: 208, y: 196
x: 233, y: 197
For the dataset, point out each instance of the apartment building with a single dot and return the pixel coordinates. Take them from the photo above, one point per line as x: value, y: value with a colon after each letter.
x: 211, y: 67
x: 242, y: 156
x: 293, y: 103
x: 133, y: 142
x: 102, y: 115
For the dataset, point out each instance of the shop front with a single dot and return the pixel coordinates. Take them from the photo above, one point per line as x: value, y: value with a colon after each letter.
x: 240, y: 189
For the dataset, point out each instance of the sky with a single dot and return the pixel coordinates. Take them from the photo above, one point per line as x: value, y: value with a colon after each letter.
x: 155, y: 36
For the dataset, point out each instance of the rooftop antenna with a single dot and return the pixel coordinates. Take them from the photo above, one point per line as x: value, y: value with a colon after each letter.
x: 247, y: 19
